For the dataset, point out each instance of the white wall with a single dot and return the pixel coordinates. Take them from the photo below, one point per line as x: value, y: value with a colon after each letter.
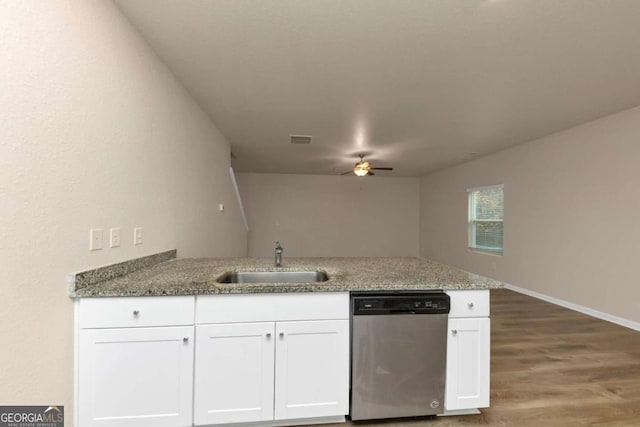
x: 94, y: 132
x: 314, y: 215
x: 572, y: 203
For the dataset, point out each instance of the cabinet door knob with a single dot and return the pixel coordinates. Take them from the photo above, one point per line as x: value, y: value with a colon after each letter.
x: 136, y: 312
x: 268, y: 334
x: 470, y: 305
x: 185, y: 339
x: 281, y: 334
x: 454, y: 331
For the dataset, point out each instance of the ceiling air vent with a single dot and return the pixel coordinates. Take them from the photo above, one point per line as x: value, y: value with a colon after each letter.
x: 300, y: 139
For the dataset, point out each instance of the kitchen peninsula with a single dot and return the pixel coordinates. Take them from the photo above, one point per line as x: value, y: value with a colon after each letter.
x: 161, y: 342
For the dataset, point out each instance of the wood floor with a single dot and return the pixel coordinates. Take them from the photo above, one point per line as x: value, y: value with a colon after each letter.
x: 551, y: 366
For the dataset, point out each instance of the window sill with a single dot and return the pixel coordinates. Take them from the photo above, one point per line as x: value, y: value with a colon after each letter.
x: 485, y: 251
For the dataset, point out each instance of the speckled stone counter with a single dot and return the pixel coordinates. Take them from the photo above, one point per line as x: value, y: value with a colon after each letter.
x: 198, y: 276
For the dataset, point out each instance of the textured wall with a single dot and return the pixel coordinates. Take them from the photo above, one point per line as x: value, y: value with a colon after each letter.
x: 94, y: 132
x: 314, y: 215
x: 571, y: 226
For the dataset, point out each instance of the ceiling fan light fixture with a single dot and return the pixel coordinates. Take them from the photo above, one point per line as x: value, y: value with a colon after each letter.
x: 360, y: 171
x: 363, y: 168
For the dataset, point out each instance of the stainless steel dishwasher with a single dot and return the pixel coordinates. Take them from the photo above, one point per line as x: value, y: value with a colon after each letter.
x: 398, y: 354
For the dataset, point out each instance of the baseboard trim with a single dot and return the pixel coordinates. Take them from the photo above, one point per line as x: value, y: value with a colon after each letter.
x: 454, y: 412
x: 286, y: 423
x: 576, y: 307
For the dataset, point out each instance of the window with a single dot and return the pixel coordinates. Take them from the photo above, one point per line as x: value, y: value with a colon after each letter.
x: 486, y: 218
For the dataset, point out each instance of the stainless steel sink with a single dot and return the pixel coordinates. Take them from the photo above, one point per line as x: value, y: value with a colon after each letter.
x: 274, y: 277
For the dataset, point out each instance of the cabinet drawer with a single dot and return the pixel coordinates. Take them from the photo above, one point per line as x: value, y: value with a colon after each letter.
x: 272, y: 307
x: 469, y: 303
x: 136, y: 312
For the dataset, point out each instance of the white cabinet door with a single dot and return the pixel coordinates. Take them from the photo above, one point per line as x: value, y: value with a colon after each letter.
x: 136, y: 377
x: 468, y: 349
x: 234, y: 373
x: 312, y: 369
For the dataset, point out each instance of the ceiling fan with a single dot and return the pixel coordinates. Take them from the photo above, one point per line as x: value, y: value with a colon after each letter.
x: 363, y: 168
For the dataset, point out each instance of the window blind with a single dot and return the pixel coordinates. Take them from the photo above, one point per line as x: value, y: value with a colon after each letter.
x: 486, y: 218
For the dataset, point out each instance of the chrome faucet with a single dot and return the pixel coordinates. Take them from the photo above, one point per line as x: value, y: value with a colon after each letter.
x: 279, y: 251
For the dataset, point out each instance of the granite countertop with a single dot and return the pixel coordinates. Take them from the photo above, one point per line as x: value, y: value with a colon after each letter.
x: 162, y: 274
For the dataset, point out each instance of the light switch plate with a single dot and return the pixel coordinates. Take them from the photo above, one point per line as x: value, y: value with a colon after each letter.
x: 115, y: 237
x: 137, y: 236
x: 95, y: 239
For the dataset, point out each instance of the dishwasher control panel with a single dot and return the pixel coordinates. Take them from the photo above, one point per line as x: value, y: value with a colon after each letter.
x: 400, y: 303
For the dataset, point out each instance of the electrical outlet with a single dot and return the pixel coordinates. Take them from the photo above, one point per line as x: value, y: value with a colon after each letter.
x: 221, y: 207
x: 115, y: 237
x: 95, y: 239
x: 137, y: 236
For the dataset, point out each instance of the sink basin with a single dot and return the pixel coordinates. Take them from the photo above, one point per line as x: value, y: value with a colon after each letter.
x: 274, y: 277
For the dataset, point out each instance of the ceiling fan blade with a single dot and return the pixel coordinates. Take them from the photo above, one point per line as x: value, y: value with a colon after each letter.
x: 347, y: 172
x: 383, y: 169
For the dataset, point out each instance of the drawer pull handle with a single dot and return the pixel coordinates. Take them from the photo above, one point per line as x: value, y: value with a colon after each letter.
x: 470, y: 305
x: 185, y: 339
x: 136, y: 312
x: 455, y: 331
x: 268, y: 334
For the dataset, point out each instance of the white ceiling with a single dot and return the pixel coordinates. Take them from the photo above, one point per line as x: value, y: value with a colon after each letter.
x: 419, y: 85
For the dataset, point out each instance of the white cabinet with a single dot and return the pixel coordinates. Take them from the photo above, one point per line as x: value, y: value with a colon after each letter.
x: 312, y: 369
x: 234, y: 373
x: 469, y: 303
x: 468, y: 345
x: 277, y: 366
x: 270, y: 358
x: 468, y: 351
x: 151, y: 362
x: 135, y: 374
x: 136, y: 312
x: 136, y: 377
